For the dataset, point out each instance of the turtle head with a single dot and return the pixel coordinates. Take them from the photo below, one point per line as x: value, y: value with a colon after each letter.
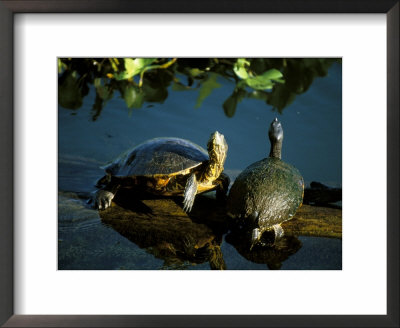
x: 217, y: 151
x: 275, y: 134
x: 217, y: 148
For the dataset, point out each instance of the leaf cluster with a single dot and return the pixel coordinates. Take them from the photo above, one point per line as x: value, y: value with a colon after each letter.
x: 274, y: 81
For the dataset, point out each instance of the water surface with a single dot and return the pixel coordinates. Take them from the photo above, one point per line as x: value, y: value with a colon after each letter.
x: 312, y: 143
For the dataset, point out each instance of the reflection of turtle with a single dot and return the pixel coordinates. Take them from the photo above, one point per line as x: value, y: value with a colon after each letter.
x: 273, y: 255
x: 268, y: 192
x: 163, y: 230
x: 168, y: 167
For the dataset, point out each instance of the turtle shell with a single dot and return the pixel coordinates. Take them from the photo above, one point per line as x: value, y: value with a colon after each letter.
x: 270, y: 189
x: 160, y: 156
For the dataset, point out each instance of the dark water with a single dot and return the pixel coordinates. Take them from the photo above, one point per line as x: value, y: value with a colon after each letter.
x: 313, y: 143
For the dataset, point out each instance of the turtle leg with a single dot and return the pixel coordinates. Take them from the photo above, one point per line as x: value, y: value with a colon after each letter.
x: 102, y: 198
x: 255, y: 237
x: 279, y: 233
x: 253, y: 219
x: 223, y: 182
x: 255, y: 233
x: 190, y: 193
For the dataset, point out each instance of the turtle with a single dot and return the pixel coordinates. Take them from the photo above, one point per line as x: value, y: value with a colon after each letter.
x: 167, y: 166
x: 267, y: 193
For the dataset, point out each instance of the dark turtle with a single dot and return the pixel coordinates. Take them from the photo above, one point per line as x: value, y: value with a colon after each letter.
x: 267, y: 192
x: 168, y: 167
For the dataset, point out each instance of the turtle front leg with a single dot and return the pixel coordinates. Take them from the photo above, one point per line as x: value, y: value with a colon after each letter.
x: 278, y: 230
x: 190, y: 193
x: 103, y: 197
x: 223, y: 182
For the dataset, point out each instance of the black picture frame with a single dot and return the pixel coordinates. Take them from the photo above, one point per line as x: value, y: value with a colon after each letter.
x: 7, y: 198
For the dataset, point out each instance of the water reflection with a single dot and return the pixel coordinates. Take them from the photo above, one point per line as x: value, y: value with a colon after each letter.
x: 271, y: 254
x: 163, y: 229
x: 141, y: 81
x: 313, y: 144
x: 160, y: 226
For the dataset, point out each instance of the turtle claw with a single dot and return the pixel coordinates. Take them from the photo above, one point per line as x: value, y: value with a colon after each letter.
x: 187, y: 205
x: 102, y: 199
x: 190, y: 193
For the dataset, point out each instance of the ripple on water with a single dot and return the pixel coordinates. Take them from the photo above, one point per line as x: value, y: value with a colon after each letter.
x: 75, y: 214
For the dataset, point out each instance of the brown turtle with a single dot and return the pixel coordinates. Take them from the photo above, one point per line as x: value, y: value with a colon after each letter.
x: 167, y: 167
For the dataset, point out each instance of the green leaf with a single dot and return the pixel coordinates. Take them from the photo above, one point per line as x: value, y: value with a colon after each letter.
x: 272, y: 74
x: 133, y: 67
x: 206, y: 88
x: 154, y: 94
x: 265, y: 80
x: 230, y: 104
x: 61, y: 66
x: 69, y: 93
x: 195, y: 72
x: 259, y: 83
x: 133, y: 97
x: 240, y: 68
x: 281, y: 97
x: 103, y: 91
x: 114, y: 64
x: 97, y: 107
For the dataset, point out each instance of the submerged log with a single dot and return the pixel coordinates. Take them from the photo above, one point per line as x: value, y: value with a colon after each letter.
x: 159, y: 225
x: 152, y: 217
x: 316, y: 221
x: 319, y: 193
x: 309, y: 220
